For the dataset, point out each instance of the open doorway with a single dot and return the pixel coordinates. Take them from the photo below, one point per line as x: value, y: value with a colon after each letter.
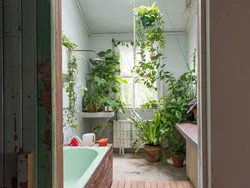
x: 94, y: 35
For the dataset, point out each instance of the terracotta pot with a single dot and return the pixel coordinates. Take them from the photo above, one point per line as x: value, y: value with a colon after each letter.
x: 195, y: 114
x: 91, y: 109
x: 152, y: 153
x: 177, y: 162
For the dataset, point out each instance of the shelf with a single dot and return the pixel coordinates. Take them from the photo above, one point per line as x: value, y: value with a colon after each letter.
x: 97, y: 114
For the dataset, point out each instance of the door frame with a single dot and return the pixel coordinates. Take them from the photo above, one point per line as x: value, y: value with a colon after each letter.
x: 203, y: 95
x: 204, y: 137
x: 57, y: 126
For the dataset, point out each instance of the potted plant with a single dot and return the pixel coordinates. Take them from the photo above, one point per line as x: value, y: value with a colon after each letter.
x: 117, y: 106
x: 150, y: 40
x: 149, y: 104
x: 177, y: 151
x: 150, y: 135
x: 93, y: 103
x: 173, y: 108
x: 104, y: 81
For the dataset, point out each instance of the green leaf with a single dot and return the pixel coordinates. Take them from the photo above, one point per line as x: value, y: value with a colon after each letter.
x: 101, y: 54
x: 109, y: 51
x: 178, y: 114
x: 120, y: 80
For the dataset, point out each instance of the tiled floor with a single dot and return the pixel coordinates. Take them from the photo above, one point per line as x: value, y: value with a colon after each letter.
x: 150, y: 184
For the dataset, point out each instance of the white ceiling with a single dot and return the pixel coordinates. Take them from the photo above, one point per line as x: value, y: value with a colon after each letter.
x: 116, y: 16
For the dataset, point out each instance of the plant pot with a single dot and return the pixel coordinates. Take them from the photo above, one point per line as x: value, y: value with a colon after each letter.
x: 177, y: 162
x: 146, y: 22
x: 89, y: 109
x: 152, y: 153
x: 195, y: 114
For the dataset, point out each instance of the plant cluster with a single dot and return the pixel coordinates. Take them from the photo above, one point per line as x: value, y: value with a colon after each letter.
x: 150, y: 40
x: 172, y: 109
x: 103, y: 83
x: 71, y: 80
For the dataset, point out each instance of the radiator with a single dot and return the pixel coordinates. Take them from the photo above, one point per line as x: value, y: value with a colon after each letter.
x: 125, y: 135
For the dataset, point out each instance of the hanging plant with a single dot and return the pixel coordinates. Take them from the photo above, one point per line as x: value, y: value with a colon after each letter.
x: 116, y: 43
x: 71, y: 80
x: 150, y: 40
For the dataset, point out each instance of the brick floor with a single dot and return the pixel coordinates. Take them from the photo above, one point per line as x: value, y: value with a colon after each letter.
x: 151, y: 184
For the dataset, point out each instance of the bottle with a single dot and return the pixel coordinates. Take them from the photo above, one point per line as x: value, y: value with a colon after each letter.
x: 105, y: 107
x: 109, y: 109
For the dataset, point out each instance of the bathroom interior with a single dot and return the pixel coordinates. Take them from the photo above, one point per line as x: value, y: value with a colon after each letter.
x: 103, y: 147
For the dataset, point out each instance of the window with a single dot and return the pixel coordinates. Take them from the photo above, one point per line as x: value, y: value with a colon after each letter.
x: 133, y: 94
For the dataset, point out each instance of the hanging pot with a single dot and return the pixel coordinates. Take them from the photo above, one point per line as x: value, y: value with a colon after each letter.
x: 146, y: 21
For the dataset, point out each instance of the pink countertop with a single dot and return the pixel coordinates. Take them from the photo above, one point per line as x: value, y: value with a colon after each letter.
x: 189, y: 131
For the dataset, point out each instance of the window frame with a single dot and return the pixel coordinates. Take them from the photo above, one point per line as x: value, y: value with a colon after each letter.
x: 159, y: 84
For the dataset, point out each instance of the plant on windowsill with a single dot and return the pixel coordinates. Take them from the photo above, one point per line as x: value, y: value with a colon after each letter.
x: 70, y: 80
x: 104, y: 81
x: 150, y: 135
x: 150, y: 39
x: 149, y: 104
x: 92, y: 103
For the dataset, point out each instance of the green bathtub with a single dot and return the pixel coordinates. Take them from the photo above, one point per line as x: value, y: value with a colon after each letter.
x: 80, y: 163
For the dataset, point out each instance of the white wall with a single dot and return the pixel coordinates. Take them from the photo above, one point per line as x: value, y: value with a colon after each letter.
x: 73, y: 26
x: 192, y: 36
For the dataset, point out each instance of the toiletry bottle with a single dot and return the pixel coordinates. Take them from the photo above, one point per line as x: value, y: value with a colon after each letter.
x: 110, y: 109
x: 105, y: 107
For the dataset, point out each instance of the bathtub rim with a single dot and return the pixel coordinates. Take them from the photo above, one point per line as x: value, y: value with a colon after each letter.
x: 102, y: 151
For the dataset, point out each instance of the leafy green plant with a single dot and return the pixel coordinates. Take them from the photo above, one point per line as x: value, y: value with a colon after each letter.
x: 150, y: 104
x: 104, y: 76
x: 117, y: 43
x: 117, y: 105
x: 70, y: 80
x: 177, y: 146
x: 104, y: 80
x: 93, y: 103
x: 150, y: 131
x: 174, y: 106
x: 149, y: 37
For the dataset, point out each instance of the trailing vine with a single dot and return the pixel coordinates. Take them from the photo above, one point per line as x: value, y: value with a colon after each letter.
x: 150, y: 39
x: 122, y: 43
x: 71, y: 80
